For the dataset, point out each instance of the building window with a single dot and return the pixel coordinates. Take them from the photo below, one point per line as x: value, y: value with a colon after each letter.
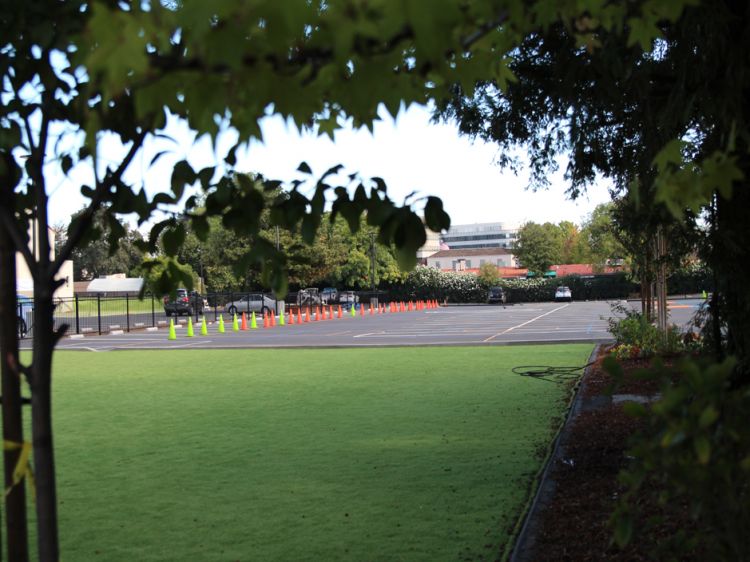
x: 468, y: 264
x: 481, y: 263
x: 437, y: 264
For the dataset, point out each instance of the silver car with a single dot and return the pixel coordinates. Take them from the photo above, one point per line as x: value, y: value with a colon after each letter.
x: 254, y: 302
x: 563, y: 294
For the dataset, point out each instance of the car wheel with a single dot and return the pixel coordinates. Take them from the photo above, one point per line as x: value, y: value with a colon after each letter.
x: 265, y: 310
x: 232, y: 310
x: 168, y: 313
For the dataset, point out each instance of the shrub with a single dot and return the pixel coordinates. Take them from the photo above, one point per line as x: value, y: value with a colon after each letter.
x: 635, y: 332
x: 694, y: 452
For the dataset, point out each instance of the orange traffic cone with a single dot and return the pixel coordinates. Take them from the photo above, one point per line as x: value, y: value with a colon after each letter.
x: 330, y: 312
x: 244, y: 322
x: 299, y: 315
x: 341, y: 313
x: 265, y: 320
x: 272, y: 319
x: 317, y: 314
x: 291, y: 317
x: 307, y: 314
x: 361, y: 309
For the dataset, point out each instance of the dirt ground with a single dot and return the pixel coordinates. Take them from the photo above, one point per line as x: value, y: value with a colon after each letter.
x: 571, y: 518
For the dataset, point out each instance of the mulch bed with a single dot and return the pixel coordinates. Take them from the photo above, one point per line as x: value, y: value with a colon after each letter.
x: 572, y: 521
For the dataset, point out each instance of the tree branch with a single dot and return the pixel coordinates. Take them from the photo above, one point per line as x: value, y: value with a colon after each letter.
x: 102, y: 188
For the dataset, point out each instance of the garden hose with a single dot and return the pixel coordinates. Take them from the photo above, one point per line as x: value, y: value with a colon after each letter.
x: 549, y: 372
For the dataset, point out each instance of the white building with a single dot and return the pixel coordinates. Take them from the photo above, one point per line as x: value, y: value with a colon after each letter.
x: 24, y: 280
x: 481, y: 235
x: 471, y: 258
x: 431, y: 245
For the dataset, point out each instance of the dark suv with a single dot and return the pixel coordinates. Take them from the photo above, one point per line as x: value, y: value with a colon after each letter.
x: 184, y: 302
x: 497, y: 296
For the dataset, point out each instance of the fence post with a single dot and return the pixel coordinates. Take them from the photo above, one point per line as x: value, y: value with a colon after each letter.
x: 153, y: 311
x: 78, y: 317
x: 99, y: 311
x: 127, y: 313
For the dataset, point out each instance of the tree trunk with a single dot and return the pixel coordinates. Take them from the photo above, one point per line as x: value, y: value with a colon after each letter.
x: 15, y: 502
x: 732, y: 264
x: 41, y: 417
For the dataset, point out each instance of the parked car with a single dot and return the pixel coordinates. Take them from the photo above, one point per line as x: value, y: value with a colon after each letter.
x: 253, y: 302
x: 25, y: 313
x: 184, y: 302
x: 563, y: 294
x: 309, y: 297
x: 497, y: 295
x: 329, y: 295
x: 348, y: 298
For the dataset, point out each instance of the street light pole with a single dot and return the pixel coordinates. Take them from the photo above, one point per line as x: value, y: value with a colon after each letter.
x: 372, y: 264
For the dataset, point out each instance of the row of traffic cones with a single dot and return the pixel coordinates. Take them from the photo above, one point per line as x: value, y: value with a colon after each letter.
x: 310, y: 315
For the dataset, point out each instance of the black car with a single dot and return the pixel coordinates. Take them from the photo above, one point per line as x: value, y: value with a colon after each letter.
x: 184, y: 302
x: 497, y: 296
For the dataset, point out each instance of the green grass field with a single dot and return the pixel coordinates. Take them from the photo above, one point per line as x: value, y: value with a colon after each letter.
x: 346, y: 454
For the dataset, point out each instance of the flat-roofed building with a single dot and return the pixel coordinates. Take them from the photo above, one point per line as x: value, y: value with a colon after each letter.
x: 481, y: 235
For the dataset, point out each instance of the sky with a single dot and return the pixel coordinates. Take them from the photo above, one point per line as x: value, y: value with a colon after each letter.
x: 410, y: 153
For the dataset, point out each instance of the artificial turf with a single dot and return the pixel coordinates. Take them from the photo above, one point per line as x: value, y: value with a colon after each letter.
x: 344, y: 454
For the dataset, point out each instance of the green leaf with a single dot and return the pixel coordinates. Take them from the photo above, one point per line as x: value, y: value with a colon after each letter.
x: 309, y: 228
x: 708, y: 417
x: 304, y: 168
x: 200, y: 226
x: 182, y: 175
x: 702, y: 447
x: 231, y: 157
x: 205, y: 176
x: 173, y: 239
x: 435, y: 217
x: 670, y: 155
x: 66, y: 163
x: 623, y: 529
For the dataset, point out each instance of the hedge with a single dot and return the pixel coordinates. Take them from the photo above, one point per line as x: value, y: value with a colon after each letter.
x: 430, y: 283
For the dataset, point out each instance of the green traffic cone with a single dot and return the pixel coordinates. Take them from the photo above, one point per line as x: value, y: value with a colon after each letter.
x: 353, y: 311
x: 172, y: 335
x: 235, y: 324
x: 253, y: 322
x: 221, y: 324
x: 190, y: 333
x: 204, y: 328
x: 704, y: 295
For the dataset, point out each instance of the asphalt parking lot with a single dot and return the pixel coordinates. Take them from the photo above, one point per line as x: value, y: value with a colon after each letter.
x: 451, y: 325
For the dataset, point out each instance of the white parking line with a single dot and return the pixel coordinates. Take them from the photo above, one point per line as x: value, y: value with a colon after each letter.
x: 527, y: 322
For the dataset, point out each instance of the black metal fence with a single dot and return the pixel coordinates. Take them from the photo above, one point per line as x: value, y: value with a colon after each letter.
x: 102, y: 314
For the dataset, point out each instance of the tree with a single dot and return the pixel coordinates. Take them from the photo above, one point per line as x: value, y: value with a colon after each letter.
x: 599, y: 231
x: 538, y: 246
x: 78, y: 72
x: 573, y: 248
x: 97, y: 257
x: 619, y: 108
x: 488, y: 275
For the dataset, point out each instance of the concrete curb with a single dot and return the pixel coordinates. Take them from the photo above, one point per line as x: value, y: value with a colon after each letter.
x: 524, y: 545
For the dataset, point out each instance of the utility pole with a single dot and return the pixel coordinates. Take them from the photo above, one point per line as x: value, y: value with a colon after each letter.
x: 374, y: 299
